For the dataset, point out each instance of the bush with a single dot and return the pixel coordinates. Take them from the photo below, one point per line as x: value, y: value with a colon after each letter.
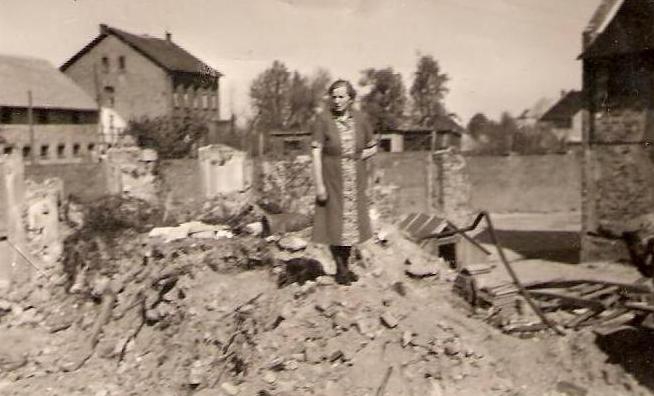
x: 170, y: 137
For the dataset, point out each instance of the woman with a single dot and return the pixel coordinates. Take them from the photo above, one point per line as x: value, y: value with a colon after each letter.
x: 342, y: 140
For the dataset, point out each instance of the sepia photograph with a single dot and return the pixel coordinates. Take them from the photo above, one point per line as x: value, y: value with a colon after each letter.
x: 327, y: 197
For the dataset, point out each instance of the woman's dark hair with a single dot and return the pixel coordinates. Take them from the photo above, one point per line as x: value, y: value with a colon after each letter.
x: 343, y: 83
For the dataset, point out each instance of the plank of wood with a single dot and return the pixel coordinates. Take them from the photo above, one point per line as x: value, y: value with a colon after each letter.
x: 568, y: 299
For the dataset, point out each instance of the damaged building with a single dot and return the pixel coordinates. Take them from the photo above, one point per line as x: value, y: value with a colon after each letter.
x: 618, y: 79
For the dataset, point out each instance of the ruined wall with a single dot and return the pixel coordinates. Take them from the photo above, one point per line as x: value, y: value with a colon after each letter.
x: 223, y: 169
x: 86, y: 181
x: 181, y: 178
x: 618, y: 181
x: 451, y: 188
x: 400, y: 183
x: 527, y: 184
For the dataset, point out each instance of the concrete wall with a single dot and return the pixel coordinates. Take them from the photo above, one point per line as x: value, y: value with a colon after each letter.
x: 86, y: 181
x: 142, y: 89
x: 400, y: 183
x: 223, y: 169
x: 181, y: 178
x: 532, y: 183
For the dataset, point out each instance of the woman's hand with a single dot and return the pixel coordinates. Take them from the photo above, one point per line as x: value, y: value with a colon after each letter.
x: 321, y: 193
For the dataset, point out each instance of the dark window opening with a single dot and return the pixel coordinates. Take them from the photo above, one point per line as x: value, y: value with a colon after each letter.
x: 90, y: 147
x: 385, y: 145
x: 292, y: 145
x: 61, y: 150
x: 121, y: 63
x: 76, y: 150
x: 6, y: 116
x: 27, y: 151
x: 109, y: 96
x: 8, y: 150
x: 45, y: 151
x: 105, y: 64
x: 41, y: 117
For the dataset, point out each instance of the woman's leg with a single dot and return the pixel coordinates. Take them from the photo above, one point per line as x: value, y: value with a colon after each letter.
x: 344, y: 275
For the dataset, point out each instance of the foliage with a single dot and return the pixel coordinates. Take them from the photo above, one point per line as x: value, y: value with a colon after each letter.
x: 284, y: 100
x: 428, y: 92
x: 506, y: 136
x: 386, y: 100
x: 171, y: 137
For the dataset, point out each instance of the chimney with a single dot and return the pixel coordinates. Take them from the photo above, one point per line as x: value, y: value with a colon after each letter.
x: 104, y: 29
x: 169, y: 37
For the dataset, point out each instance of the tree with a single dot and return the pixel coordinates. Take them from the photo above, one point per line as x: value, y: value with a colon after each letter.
x: 286, y: 100
x: 386, y: 100
x: 428, y: 92
x: 269, y: 93
x: 478, y: 124
x: 171, y: 137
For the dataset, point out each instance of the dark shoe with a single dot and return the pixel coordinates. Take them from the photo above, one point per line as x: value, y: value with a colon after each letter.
x: 351, y: 276
x: 342, y: 278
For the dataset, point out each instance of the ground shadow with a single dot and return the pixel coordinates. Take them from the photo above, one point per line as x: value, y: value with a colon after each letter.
x: 562, y: 246
x: 633, y: 349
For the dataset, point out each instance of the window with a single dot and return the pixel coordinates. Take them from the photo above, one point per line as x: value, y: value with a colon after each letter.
x: 41, y: 117
x: 76, y: 148
x: 90, y: 147
x: 215, y: 101
x: 75, y: 118
x: 186, y: 102
x: 8, y: 150
x: 6, y: 116
x: 27, y: 151
x: 205, y: 101
x: 385, y: 145
x: 45, y: 151
x: 121, y: 63
x: 61, y: 150
x: 176, y: 99
x: 109, y: 96
x: 105, y: 64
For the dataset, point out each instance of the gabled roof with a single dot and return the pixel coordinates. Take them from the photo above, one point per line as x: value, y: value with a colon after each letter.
x: 50, y: 88
x: 442, y: 124
x: 163, y: 52
x: 630, y: 29
x: 569, y: 105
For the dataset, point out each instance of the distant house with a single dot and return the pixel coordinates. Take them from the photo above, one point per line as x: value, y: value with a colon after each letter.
x: 618, y: 86
x: 63, y: 118
x: 529, y: 117
x: 564, y: 118
x: 408, y: 137
x: 134, y: 76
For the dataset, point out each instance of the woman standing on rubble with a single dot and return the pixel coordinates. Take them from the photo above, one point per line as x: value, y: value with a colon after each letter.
x: 342, y: 141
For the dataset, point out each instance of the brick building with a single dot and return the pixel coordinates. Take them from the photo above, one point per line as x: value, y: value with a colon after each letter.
x: 134, y: 76
x: 60, y: 125
x: 618, y: 81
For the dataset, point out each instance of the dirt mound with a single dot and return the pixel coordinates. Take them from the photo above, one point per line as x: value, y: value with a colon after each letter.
x: 208, y: 316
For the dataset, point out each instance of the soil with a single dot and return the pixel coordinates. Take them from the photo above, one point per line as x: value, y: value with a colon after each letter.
x: 208, y: 317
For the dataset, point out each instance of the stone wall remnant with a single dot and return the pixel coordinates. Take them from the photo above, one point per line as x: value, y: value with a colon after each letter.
x: 224, y: 169
x: 132, y: 172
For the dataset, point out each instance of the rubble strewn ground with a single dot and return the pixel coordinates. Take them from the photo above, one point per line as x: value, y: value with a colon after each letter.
x: 215, y: 313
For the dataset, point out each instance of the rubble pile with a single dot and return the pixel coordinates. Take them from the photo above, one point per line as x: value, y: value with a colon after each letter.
x: 212, y: 313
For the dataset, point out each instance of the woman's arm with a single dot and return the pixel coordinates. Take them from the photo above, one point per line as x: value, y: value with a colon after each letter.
x: 321, y: 191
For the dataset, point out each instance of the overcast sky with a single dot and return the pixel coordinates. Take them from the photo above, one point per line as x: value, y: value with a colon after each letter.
x: 499, y: 54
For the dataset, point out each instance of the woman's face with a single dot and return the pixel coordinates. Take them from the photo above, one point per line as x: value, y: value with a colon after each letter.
x: 341, y: 100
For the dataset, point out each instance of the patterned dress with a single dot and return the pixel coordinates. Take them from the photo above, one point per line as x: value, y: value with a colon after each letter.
x: 343, y: 219
x: 345, y: 125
